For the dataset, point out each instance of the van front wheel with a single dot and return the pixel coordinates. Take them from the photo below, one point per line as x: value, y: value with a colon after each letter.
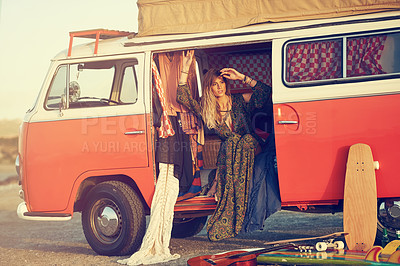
x: 113, y: 219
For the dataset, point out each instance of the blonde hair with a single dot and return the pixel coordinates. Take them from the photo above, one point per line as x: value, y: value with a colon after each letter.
x: 210, y: 107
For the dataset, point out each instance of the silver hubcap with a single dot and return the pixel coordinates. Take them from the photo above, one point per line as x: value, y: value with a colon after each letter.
x: 106, y: 221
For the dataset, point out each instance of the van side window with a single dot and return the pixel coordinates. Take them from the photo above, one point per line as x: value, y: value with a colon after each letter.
x: 128, y: 86
x: 57, y: 88
x: 364, y: 54
x: 317, y: 60
x: 389, y: 53
x: 327, y: 60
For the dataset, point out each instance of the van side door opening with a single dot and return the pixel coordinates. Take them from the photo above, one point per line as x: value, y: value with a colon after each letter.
x: 251, y: 59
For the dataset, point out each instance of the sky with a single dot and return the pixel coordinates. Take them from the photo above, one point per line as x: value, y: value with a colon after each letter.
x: 32, y: 32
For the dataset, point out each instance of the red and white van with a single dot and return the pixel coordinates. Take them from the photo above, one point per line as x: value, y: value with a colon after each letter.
x: 90, y: 149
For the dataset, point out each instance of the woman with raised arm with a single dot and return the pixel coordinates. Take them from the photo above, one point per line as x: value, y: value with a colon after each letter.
x: 229, y: 116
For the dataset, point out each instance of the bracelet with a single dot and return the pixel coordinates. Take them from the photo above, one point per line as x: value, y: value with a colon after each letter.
x: 185, y: 72
x: 247, y: 80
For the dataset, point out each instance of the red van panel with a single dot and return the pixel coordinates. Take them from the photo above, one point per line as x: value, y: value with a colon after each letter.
x: 312, y: 154
x: 61, y: 152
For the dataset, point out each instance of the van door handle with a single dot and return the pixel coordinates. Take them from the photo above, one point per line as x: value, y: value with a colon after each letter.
x: 287, y: 122
x: 134, y: 132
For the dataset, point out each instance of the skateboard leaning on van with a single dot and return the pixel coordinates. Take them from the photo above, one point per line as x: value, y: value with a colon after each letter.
x: 360, y: 199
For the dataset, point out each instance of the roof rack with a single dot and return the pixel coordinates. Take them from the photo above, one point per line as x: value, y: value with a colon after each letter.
x: 98, y: 34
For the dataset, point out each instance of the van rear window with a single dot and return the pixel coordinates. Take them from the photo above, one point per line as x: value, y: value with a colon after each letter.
x: 341, y: 59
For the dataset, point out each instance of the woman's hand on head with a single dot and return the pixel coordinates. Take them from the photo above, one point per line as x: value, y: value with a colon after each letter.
x: 232, y: 74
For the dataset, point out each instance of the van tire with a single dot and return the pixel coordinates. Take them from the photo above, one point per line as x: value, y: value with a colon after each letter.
x: 113, y: 219
x: 187, y: 227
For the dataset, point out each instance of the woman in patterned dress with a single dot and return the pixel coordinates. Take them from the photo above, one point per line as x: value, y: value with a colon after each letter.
x: 229, y: 115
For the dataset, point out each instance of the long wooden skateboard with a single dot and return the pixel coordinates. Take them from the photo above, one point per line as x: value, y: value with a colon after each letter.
x: 360, y: 199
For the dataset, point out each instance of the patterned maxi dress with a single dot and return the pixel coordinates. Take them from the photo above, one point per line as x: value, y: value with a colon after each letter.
x: 235, y: 160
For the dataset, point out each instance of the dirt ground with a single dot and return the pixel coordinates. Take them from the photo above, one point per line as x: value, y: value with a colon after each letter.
x: 63, y: 243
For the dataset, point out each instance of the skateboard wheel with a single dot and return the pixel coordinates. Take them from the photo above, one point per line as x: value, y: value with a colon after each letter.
x: 321, y: 246
x: 376, y: 165
x: 338, y: 244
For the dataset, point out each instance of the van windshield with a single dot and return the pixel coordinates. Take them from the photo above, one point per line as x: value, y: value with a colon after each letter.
x: 93, y: 84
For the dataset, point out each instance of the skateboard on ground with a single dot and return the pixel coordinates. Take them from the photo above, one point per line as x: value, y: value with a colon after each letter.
x: 335, y: 257
x: 360, y: 199
x: 326, y: 241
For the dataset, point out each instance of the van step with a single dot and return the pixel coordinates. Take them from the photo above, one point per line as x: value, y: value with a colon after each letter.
x: 196, y: 203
